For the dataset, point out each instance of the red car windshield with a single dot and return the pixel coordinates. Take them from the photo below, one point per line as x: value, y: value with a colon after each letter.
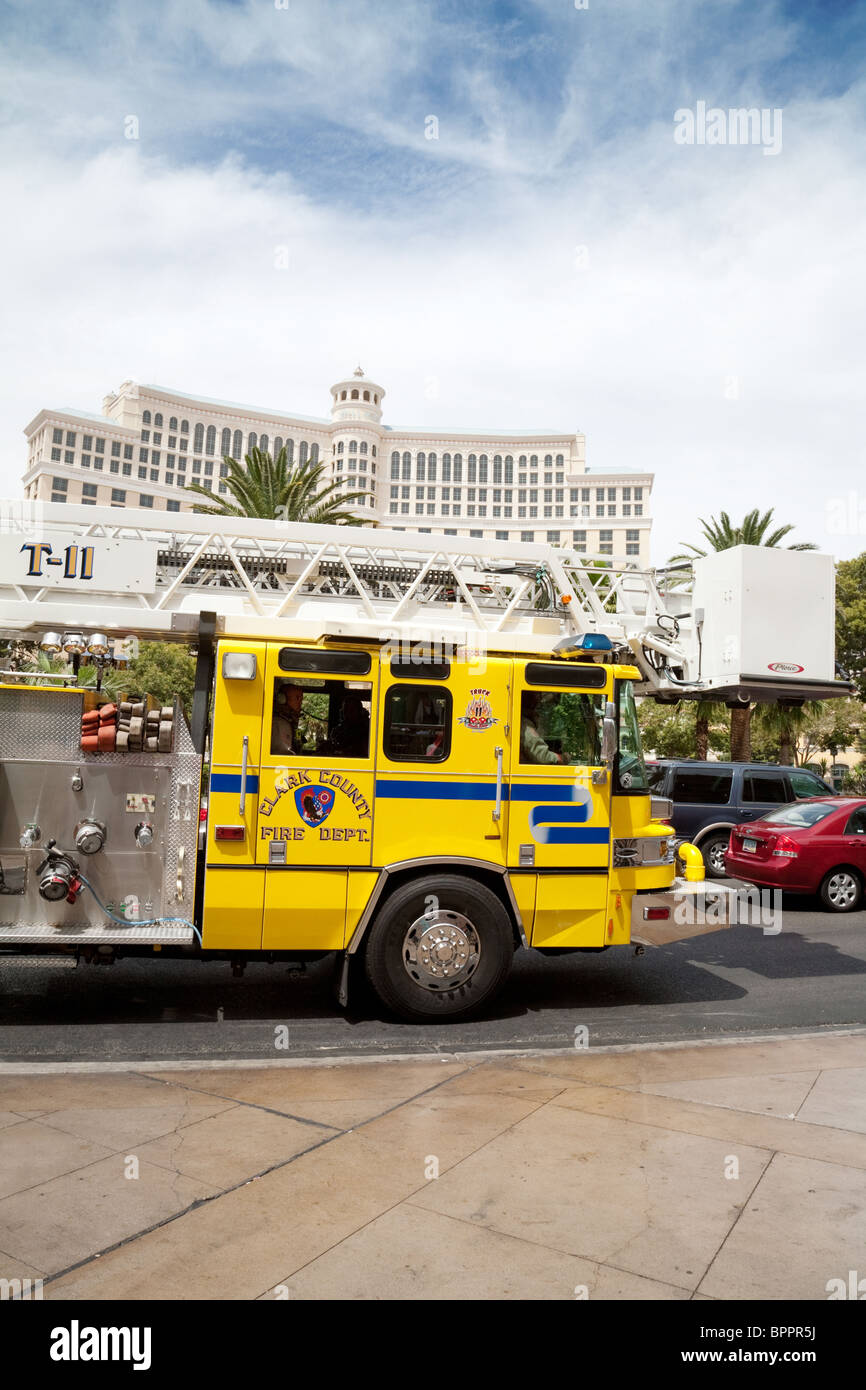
x: 801, y: 813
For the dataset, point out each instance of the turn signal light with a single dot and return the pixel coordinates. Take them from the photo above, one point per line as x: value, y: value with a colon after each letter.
x: 786, y: 848
x: 230, y: 832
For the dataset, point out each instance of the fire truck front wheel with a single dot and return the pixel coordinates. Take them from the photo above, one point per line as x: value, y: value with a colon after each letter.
x: 440, y: 947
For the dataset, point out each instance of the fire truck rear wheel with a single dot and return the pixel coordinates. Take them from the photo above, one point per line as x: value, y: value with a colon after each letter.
x: 440, y: 947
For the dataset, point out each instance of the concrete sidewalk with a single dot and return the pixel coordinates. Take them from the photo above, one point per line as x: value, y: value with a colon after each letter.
x: 719, y: 1171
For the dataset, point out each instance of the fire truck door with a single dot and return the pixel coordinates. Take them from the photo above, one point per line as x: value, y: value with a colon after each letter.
x: 315, y: 818
x: 559, y: 827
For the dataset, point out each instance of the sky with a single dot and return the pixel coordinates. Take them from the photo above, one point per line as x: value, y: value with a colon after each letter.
x: 504, y: 212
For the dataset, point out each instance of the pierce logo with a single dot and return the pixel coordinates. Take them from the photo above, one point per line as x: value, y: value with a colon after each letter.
x: 785, y: 666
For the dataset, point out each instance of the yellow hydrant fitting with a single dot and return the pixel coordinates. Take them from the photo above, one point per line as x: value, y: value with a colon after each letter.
x: 693, y: 861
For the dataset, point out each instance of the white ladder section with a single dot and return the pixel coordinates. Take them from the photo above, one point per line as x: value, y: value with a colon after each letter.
x: 152, y: 574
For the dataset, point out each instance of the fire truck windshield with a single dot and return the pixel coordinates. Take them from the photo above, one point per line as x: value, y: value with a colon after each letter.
x: 631, y: 773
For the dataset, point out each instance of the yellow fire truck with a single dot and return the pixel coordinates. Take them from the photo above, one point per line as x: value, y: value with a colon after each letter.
x: 421, y: 757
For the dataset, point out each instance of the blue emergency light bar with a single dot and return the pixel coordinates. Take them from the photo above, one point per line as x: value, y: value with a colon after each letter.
x: 593, y: 642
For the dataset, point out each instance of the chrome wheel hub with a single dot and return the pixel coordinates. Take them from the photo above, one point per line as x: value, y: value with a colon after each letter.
x: 716, y: 857
x: 842, y: 890
x: 441, y: 950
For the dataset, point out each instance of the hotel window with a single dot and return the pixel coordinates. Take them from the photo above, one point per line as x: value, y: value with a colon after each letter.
x: 548, y: 494
x: 446, y: 508
x: 145, y: 434
x: 142, y: 473
x: 85, y: 460
x: 224, y: 470
x: 263, y: 444
x: 223, y: 487
x: 548, y: 479
x: 237, y: 449
x: 611, y: 494
x: 533, y: 495
x: 290, y: 450
x: 363, y: 446
x: 404, y: 508
x: 605, y: 535
x: 70, y: 439
x: 420, y: 466
x: 560, y: 460
x: 97, y: 464
x: 57, y: 437
x: 363, y: 465
x: 154, y: 475
x: 533, y: 460
x: 584, y: 494
x: 340, y: 465
x: 55, y: 455
x: 611, y: 511
x: 497, y: 511
x: 184, y: 426
x: 172, y: 505
x: 638, y: 494
x: 626, y: 494
x: 88, y: 489
x: 278, y: 447
x: 446, y: 468
x: 431, y: 494
x: 455, y: 510
x: 145, y: 499
x: 455, y: 493
x: 252, y: 443
x: 68, y: 456
x: 533, y: 480
x: 127, y: 469
x: 60, y: 484
x: 458, y: 468
x: 183, y: 445
x: 527, y: 535
x: 172, y: 424
x: 626, y: 509
x: 497, y: 494
x: 169, y: 478
x: 157, y: 420
x: 395, y: 465
x: 470, y: 511
x: 407, y: 466
x: 552, y: 537
x: 154, y: 455
x: 395, y: 492
x: 419, y: 492
x: 207, y: 484
x: 118, y: 496
x: 171, y: 460
x: 509, y: 470
x: 507, y: 512
x: 431, y: 509
x: 115, y: 448
x: 548, y: 460
x: 502, y: 535
x: 198, y: 438
x: 226, y: 442
x: 482, y: 468
x: 497, y: 468
x: 208, y: 468
x: 548, y: 511
x: 471, y: 468
x: 115, y: 466
x: 58, y: 497
x: 87, y: 441
x: 533, y: 511
x: 196, y: 465
x: 638, y: 509
x: 142, y: 456
x: 303, y: 452
x: 578, y: 536
x: 632, y: 535
x: 431, y: 468
x: 599, y: 511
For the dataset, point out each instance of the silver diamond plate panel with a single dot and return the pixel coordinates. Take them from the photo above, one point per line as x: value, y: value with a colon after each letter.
x: 109, y: 935
x: 43, y: 724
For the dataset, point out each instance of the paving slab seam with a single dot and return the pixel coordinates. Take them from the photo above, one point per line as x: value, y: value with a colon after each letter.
x: 249, y: 1104
x: 422, y: 1187
x: 736, y: 1222
x: 714, y: 1109
x: 809, y: 1092
x: 203, y: 1201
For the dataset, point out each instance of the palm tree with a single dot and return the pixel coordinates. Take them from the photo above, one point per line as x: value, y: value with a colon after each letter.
x: 721, y: 534
x: 269, y: 488
x: 752, y: 530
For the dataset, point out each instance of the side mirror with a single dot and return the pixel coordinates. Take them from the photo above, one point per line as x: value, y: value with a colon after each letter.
x: 608, y: 734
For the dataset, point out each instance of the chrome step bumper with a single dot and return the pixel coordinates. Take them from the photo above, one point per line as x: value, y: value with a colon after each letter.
x: 682, y: 911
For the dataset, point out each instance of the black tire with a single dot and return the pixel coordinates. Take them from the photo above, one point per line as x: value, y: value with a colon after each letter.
x: 842, y: 890
x: 712, y: 849
x: 466, y: 916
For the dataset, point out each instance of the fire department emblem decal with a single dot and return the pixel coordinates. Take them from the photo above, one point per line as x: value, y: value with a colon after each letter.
x: 479, y: 714
x: 314, y: 804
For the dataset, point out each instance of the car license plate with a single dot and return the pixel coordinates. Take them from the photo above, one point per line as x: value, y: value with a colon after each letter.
x: 750, y: 846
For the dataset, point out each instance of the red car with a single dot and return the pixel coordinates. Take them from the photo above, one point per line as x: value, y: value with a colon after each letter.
x: 814, y: 846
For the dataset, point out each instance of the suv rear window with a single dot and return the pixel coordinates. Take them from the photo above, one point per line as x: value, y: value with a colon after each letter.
x: 703, y: 787
x: 764, y: 786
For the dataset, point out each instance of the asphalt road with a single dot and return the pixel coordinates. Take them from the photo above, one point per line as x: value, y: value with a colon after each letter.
x: 812, y: 975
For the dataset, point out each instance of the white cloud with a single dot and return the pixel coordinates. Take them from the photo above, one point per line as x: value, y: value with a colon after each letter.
x: 702, y: 264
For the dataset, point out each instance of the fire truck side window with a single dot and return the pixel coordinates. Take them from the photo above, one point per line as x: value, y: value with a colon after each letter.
x: 417, y: 724
x: 561, y: 728
x: 321, y: 718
